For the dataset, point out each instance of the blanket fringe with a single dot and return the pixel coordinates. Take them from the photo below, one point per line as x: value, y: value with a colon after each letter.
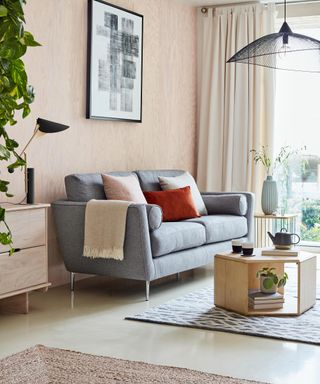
x: 94, y: 253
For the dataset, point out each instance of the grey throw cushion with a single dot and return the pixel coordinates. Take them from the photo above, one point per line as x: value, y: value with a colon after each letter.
x: 222, y: 227
x: 235, y: 204
x: 176, y: 236
x: 182, y: 181
x: 149, y: 179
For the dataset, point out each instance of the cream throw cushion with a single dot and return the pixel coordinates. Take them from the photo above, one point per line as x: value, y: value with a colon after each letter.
x: 184, y: 180
x: 123, y: 188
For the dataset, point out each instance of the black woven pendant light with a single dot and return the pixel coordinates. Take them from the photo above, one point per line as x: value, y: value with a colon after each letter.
x: 283, y: 50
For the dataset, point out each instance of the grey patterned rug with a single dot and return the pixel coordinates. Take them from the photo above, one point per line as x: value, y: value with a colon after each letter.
x: 196, y: 310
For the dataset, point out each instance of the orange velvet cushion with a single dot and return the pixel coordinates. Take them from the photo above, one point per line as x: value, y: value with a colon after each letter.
x: 176, y: 204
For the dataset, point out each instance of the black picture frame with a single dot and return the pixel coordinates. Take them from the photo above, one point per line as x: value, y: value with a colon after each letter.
x: 114, y: 87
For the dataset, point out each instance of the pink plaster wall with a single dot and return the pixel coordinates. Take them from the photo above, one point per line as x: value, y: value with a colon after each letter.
x: 57, y: 70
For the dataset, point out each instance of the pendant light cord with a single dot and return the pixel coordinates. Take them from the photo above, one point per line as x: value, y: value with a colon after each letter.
x: 285, y: 10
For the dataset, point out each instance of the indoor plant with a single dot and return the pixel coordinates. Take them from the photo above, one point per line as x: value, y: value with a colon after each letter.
x: 15, y: 93
x: 269, y: 197
x: 270, y: 281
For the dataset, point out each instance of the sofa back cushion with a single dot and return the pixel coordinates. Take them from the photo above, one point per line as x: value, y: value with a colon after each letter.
x: 228, y: 204
x: 123, y: 188
x: 149, y: 179
x: 87, y: 186
x: 182, y: 181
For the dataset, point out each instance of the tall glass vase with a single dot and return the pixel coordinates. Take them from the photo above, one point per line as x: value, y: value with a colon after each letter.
x: 269, y: 198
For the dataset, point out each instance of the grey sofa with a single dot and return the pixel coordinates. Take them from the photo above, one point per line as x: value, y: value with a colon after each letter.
x: 152, y: 248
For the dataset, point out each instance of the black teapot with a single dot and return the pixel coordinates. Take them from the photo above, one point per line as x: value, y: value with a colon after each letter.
x: 283, y: 239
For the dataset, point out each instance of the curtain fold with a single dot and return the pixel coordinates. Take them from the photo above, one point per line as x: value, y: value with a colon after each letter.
x: 236, y: 111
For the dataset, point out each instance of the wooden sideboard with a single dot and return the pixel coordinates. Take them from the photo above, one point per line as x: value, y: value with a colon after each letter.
x: 27, y: 269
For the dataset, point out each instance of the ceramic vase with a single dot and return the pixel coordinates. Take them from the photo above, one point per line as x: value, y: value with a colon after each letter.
x: 269, y: 198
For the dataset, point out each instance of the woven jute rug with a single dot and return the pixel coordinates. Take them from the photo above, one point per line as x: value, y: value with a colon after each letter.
x: 43, y: 365
x: 196, y: 310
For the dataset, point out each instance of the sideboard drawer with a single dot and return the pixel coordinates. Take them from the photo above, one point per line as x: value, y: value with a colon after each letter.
x: 23, y: 269
x: 28, y: 228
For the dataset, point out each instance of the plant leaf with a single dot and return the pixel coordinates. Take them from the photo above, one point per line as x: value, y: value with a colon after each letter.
x: 5, y: 238
x: 2, y: 214
x: 3, y: 11
x: 11, y: 144
x: 29, y: 40
x: 26, y: 111
x: 4, y: 185
x: 268, y: 283
x: 4, y: 153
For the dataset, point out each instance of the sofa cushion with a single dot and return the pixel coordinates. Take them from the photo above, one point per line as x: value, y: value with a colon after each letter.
x: 123, y: 188
x: 149, y: 179
x: 176, y: 236
x: 176, y: 204
x: 181, y: 181
x: 222, y: 227
x: 229, y: 204
x: 87, y: 186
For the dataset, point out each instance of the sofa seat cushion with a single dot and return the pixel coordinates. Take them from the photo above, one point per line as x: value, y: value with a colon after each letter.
x: 222, y: 227
x: 176, y: 236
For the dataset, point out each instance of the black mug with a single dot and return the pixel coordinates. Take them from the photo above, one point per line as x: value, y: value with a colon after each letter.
x: 247, y: 249
x: 236, y: 246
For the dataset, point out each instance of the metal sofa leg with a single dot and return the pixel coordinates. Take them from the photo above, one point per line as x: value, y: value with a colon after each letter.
x: 72, y: 279
x: 147, y: 290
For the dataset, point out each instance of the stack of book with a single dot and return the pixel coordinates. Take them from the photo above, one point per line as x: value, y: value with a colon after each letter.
x: 259, y: 300
x: 279, y: 252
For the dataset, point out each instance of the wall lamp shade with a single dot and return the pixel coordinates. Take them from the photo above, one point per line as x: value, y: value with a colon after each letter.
x: 283, y: 50
x: 47, y: 126
x: 44, y: 126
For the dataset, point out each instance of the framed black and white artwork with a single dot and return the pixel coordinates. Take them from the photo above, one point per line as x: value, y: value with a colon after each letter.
x: 115, y: 59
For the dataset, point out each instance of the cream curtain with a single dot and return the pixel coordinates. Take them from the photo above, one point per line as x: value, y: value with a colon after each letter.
x: 236, y: 109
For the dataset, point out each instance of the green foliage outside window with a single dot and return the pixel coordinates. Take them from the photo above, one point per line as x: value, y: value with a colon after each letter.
x: 310, y: 221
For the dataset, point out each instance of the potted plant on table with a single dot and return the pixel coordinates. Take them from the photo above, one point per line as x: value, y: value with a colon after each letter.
x: 270, y: 281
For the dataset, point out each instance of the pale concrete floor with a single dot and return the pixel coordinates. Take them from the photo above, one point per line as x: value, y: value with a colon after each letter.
x: 94, y: 323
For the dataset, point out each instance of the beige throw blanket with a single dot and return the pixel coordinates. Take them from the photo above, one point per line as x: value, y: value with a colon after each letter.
x: 105, y: 227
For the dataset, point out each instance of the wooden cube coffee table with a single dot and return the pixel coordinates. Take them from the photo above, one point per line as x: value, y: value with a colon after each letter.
x: 234, y: 275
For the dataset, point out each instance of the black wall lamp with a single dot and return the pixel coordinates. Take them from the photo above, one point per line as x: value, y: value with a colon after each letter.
x: 43, y: 126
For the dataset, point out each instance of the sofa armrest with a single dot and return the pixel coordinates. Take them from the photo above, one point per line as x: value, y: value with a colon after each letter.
x: 137, y: 264
x: 154, y: 213
x: 250, y: 199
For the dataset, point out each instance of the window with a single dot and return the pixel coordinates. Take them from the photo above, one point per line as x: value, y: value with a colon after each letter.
x: 297, y: 124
